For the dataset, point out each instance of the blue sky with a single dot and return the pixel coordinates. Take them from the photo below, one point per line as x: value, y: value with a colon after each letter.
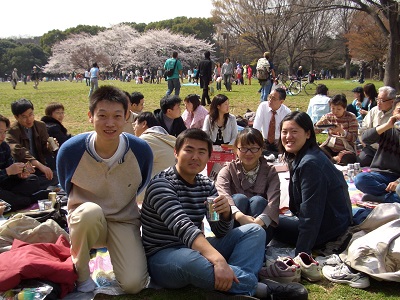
x: 24, y: 18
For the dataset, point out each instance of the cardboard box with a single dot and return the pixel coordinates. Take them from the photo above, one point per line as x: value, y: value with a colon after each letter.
x: 217, y: 161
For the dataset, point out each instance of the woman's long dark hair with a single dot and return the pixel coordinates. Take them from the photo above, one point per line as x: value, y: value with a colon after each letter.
x: 194, y: 99
x: 371, y: 92
x: 304, y: 121
x: 214, y: 113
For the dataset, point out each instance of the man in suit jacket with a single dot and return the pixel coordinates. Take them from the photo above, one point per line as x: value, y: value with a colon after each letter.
x: 205, y: 74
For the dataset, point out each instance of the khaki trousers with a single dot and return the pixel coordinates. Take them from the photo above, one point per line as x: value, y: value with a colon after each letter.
x: 90, y: 229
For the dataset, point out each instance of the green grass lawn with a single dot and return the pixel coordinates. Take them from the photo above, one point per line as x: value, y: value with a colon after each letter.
x: 74, y: 97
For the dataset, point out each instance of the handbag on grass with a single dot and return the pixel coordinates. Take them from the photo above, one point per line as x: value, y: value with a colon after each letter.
x: 56, y: 213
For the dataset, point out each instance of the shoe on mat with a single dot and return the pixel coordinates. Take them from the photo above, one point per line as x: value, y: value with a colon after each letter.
x: 342, y: 274
x: 280, y: 272
x: 331, y: 260
x: 284, y: 291
x: 373, y: 198
x: 310, y: 269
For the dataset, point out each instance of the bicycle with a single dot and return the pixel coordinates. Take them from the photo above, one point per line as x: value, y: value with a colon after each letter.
x: 282, y: 81
x: 296, y: 86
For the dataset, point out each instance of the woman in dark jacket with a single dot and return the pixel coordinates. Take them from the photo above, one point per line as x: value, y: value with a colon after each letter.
x: 53, y: 119
x: 318, y: 192
x: 54, y: 115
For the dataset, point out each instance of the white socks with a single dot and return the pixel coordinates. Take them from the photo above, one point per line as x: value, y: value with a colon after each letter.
x: 86, y: 286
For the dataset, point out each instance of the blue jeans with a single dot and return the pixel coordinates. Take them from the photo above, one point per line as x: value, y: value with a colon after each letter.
x: 173, y: 83
x: 288, y: 232
x: 218, y: 85
x: 375, y: 183
x: 254, y: 207
x: 265, y: 89
x: 242, y: 247
x: 94, y: 85
x: 227, y: 81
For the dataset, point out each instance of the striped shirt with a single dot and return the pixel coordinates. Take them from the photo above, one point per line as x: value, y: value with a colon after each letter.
x: 173, y: 211
x: 349, y: 124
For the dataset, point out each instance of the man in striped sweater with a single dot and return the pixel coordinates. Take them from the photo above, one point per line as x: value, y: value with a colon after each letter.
x: 178, y: 253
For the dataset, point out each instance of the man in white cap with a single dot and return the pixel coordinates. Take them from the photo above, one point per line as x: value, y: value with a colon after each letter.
x: 35, y: 77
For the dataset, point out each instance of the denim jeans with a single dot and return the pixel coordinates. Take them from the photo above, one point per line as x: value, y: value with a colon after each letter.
x: 242, y: 247
x: 288, y: 231
x: 94, y: 85
x: 227, y: 81
x: 254, y: 207
x: 375, y: 183
x: 265, y: 89
x: 173, y: 83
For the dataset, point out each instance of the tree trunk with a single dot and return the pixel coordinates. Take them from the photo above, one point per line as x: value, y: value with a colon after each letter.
x: 381, y: 71
x: 347, y: 62
x: 392, y: 61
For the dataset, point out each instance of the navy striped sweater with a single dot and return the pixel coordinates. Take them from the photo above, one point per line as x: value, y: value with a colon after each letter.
x: 173, y: 211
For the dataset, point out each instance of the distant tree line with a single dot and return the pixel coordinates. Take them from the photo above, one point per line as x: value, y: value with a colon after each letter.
x: 336, y: 35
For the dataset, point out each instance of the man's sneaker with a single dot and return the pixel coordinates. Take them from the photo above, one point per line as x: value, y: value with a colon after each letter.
x: 310, y: 269
x: 331, y: 260
x: 342, y: 274
x: 288, y: 261
x: 282, y: 291
x: 291, y: 263
x: 280, y: 272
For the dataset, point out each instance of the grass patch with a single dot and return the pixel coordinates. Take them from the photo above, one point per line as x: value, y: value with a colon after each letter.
x: 74, y: 97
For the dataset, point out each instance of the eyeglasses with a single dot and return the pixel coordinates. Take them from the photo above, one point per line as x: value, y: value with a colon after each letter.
x: 383, y: 101
x: 26, y: 117
x: 271, y: 98
x: 252, y: 150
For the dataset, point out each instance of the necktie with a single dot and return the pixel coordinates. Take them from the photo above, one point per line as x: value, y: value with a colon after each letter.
x: 271, y: 128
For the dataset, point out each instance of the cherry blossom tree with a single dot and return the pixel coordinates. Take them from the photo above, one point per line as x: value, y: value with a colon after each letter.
x: 155, y: 46
x: 123, y: 47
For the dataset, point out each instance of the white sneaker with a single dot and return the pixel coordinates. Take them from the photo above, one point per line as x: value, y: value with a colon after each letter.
x: 331, y: 260
x: 310, y: 269
x: 342, y: 274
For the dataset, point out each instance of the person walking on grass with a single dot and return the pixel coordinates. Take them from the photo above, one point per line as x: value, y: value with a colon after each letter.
x: 173, y: 81
x: 227, y: 72
x: 94, y: 78
x: 35, y: 77
x: 205, y: 75
x: 14, y: 78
